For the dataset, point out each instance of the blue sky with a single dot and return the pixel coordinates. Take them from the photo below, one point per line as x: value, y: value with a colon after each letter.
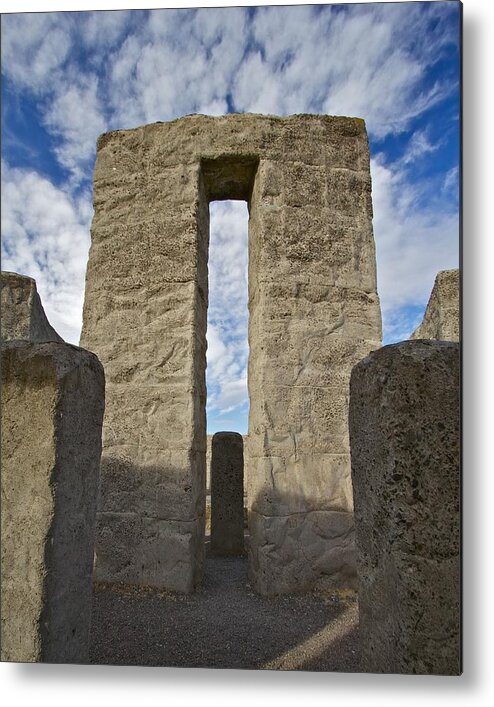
x: 67, y: 77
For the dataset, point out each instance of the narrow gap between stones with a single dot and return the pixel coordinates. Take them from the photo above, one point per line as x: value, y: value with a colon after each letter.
x: 226, y: 380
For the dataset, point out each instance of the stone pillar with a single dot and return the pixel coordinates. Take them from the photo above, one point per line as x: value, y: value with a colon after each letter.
x: 23, y: 316
x: 405, y: 436
x: 314, y: 312
x: 227, y: 494
x: 52, y: 414
x: 442, y: 317
x: 145, y: 316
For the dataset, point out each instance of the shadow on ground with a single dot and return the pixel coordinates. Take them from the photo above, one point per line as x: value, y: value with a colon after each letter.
x: 224, y: 625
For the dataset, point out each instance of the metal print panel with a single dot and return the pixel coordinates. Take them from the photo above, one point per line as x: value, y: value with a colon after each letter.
x: 236, y: 230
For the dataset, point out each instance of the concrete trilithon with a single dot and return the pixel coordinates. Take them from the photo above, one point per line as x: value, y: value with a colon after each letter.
x: 313, y: 313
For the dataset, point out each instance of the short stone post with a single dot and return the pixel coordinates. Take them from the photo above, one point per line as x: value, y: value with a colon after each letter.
x: 227, y: 494
x: 442, y: 316
x: 52, y: 415
x: 404, y: 436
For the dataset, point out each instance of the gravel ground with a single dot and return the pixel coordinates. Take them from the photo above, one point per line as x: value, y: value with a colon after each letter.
x: 224, y: 625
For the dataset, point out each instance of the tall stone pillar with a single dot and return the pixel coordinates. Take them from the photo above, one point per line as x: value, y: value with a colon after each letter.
x: 227, y: 494
x: 145, y: 315
x: 442, y: 316
x: 52, y: 414
x: 314, y: 312
x: 405, y: 436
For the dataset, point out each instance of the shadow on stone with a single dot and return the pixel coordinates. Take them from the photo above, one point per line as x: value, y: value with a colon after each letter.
x: 226, y: 623
x: 52, y: 414
x: 405, y: 436
x: 227, y: 494
x: 150, y: 522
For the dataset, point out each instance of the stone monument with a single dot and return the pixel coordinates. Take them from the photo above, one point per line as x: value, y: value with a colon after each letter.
x: 405, y: 437
x: 52, y: 415
x: 23, y: 316
x: 313, y: 313
x: 442, y: 317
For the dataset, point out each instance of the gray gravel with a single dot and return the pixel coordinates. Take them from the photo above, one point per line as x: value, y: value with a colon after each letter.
x: 224, y: 625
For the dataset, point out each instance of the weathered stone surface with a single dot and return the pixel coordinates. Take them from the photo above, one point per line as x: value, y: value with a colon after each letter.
x: 316, y: 548
x: 52, y: 415
x: 227, y: 494
x: 404, y: 432
x: 314, y: 312
x: 442, y: 317
x: 23, y: 316
x: 149, y: 522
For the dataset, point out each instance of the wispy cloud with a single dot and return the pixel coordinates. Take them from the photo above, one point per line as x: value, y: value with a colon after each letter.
x: 34, y: 48
x: 103, y: 30
x: 450, y: 185
x: 362, y: 60
x: 45, y: 234
x: 227, y: 313
x: 74, y: 116
x: 420, y: 145
x: 177, y: 63
x: 413, y: 243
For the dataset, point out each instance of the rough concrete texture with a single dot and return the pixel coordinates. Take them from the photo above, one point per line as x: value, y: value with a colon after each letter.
x: 404, y: 432
x: 314, y: 312
x: 227, y: 494
x: 442, y: 316
x: 52, y: 415
x: 23, y: 316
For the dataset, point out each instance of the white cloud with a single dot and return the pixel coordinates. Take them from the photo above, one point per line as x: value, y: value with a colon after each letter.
x: 368, y: 61
x: 234, y: 394
x: 400, y: 323
x: 34, y: 46
x: 104, y: 29
x: 451, y: 183
x: 177, y: 63
x: 45, y: 234
x: 227, y: 312
x: 362, y: 62
x: 75, y: 117
x: 413, y: 243
x: 257, y: 88
x: 420, y: 145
